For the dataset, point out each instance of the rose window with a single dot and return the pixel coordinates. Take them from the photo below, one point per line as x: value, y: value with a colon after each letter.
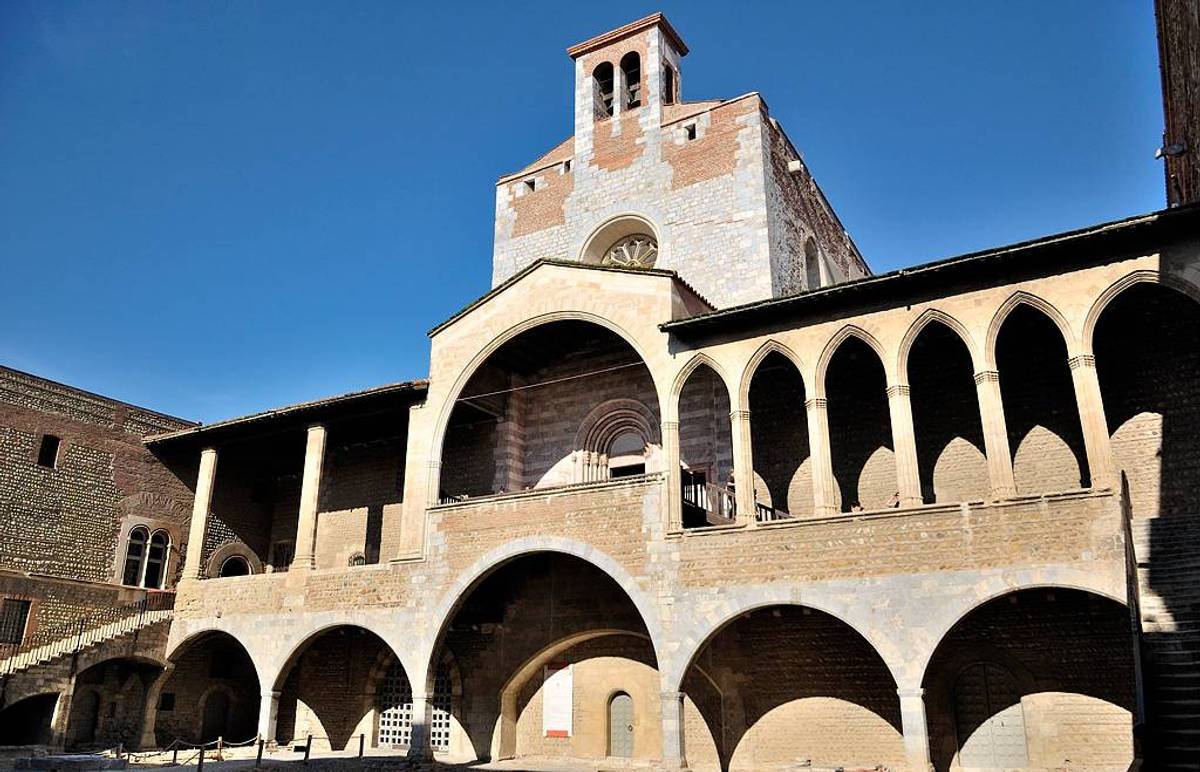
x: 636, y: 251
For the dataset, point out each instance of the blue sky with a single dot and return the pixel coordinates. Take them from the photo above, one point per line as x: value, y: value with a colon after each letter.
x: 212, y: 208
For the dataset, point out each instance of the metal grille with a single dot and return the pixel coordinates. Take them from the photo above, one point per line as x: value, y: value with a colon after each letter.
x: 396, y: 709
x: 13, y: 616
x: 439, y: 728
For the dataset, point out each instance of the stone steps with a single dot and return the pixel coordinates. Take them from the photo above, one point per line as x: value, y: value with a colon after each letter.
x: 1168, y: 556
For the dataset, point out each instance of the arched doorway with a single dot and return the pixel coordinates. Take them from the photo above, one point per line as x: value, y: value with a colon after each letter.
x: 109, y: 705
x: 620, y: 725
x: 542, y: 643
x: 1039, y: 678
x: 85, y: 718
x: 211, y: 691
x: 706, y: 450
x: 860, y: 444
x: 215, y: 721
x: 372, y: 698
x: 552, y: 406
x: 789, y: 685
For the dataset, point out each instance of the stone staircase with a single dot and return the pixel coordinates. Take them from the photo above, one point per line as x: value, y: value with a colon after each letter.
x: 1168, y: 560
x: 87, y: 631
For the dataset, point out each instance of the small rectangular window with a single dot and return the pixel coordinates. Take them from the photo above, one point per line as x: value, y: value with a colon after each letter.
x: 566, y: 166
x: 689, y: 132
x: 531, y: 184
x: 48, y: 451
x: 14, y: 614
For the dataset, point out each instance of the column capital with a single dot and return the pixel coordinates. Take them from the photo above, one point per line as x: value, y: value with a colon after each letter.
x: 314, y: 427
x: 987, y: 376
x: 912, y: 691
x: 897, y: 390
x: 208, y: 451
x: 1082, y: 360
x: 739, y: 415
x: 668, y: 425
x: 816, y: 403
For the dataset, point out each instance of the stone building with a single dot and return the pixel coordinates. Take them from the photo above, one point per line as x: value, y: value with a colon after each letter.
x: 92, y: 528
x: 760, y: 512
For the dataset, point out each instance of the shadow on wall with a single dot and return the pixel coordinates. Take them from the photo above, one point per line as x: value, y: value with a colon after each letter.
x: 787, y: 684
x: 1036, y: 678
x: 1147, y: 347
x: 28, y: 722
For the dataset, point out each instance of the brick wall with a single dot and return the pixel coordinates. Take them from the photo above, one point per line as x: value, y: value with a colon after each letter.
x: 945, y: 409
x: 779, y: 434
x: 799, y: 685
x: 860, y: 427
x: 1040, y: 409
x: 1070, y: 658
x: 68, y: 521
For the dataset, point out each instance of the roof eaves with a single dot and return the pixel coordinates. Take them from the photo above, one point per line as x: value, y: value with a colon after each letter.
x: 702, y: 321
x: 521, y: 274
x: 417, y: 385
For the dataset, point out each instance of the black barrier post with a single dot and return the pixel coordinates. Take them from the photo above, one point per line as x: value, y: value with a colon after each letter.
x: 200, y: 764
x: 362, y: 739
x: 307, y: 748
x: 258, y: 757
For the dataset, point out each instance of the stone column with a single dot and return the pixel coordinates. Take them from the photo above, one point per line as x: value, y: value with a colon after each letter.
x: 743, y: 468
x: 904, y: 441
x: 824, y: 489
x: 916, y: 731
x: 670, y: 436
x: 419, y: 748
x: 268, y: 716
x: 201, y: 505
x: 673, y: 753
x: 310, y: 494
x: 60, y: 722
x: 995, y: 435
x: 1096, y: 440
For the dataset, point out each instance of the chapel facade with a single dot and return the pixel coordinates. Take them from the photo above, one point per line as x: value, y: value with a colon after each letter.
x: 651, y: 507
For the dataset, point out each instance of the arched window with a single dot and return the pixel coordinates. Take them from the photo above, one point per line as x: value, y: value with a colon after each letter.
x: 631, y: 80
x: 602, y: 80
x: 156, y: 560
x: 146, y: 558
x: 135, y: 556
x: 668, y: 84
x: 235, y: 565
x: 627, y: 455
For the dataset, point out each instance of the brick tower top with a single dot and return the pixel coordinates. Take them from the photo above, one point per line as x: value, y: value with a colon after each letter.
x: 711, y: 189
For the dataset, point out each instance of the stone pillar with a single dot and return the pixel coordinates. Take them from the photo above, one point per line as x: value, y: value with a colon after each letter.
x: 743, y: 468
x: 310, y: 494
x: 825, y: 500
x: 268, y: 716
x: 995, y: 435
x: 670, y: 436
x: 904, y: 441
x: 150, y: 711
x: 673, y: 753
x: 916, y: 731
x: 60, y: 722
x: 1101, y: 464
x: 201, y: 505
x: 419, y: 748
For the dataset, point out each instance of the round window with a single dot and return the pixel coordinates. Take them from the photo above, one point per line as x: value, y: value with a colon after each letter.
x: 636, y: 251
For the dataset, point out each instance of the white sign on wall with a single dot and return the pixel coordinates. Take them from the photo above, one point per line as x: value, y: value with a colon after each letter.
x: 557, y: 699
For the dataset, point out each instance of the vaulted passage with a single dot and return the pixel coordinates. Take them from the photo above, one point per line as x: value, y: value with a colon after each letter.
x: 1040, y: 410
x: 564, y: 403
x: 108, y: 706
x: 28, y: 721
x: 779, y: 436
x: 341, y: 685
x: 864, y: 464
x: 1039, y: 678
x: 789, y: 685
x: 542, y: 644
x: 949, y: 435
x: 706, y: 450
x: 212, y: 691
